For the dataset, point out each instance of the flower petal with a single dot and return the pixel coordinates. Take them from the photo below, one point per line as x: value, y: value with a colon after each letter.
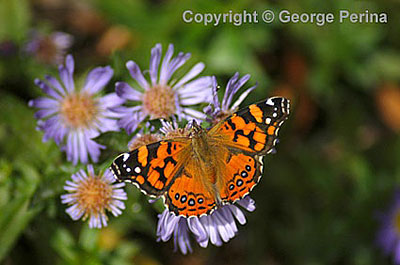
x: 66, y: 73
x: 199, y: 85
x: 235, y: 88
x: 43, y: 113
x: 53, y: 82
x: 165, y: 65
x: 154, y: 63
x: 228, y: 90
x: 247, y: 203
x: 195, y: 71
x: 175, y: 64
x: 46, y: 89
x: 238, y: 214
x: 97, y: 79
x: 93, y: 149
x: 242, y: 97
x: 44, y: 103
x: 69, y: 63
x: 125, y: 91
x: 194, y: 114
x: 136, y: 74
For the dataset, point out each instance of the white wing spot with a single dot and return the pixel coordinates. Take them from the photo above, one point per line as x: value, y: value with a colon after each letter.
x: 128, y: 169
x: 274, y: 115
x: 269, y: 102
x: 137, y: 170
x: 268, y: 120
x: 126, y: 156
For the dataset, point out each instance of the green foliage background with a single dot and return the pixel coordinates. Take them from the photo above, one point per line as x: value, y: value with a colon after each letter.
x: 337, y: 164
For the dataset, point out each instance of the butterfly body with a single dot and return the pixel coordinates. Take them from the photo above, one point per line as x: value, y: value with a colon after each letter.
x: 208, y: 168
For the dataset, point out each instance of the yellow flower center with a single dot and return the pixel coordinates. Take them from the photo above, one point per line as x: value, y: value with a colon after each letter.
x: 143, y: 140
x: 159, y: 101
x: 79, y: 110
x: 93, y: 195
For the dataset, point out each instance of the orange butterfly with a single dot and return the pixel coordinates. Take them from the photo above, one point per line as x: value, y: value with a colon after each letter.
x: 208, y: 168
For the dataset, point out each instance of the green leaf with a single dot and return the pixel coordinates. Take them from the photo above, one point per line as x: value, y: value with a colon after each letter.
x: 386, y: 65
x: 125, y: 252
x: 88, y: 238
x: 13, y: 219
x: 14, y: 19
x: 63, y: 243
x: 18, y: 124
x: 16, y: 214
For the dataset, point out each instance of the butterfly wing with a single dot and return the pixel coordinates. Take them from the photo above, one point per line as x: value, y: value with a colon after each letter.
x: 150, y: 167
x: 187, y: 196
x: 254, y: 129
x: 249, y: 134
x: 242, y: 174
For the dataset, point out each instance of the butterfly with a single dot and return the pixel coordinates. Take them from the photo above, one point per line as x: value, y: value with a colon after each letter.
x: 208, y: 168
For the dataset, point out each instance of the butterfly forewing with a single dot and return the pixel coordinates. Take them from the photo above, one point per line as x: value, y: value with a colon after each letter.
x: 254, y: 129
x: 150, y: 167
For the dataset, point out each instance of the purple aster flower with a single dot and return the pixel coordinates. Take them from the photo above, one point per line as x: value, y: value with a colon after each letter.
x: 216, y: 228
x: 49, y: 49
x: 388, y: 236
x: 218, y: 111
x: 74, y: 117
x: 163, y: 96
x: 90, y: 195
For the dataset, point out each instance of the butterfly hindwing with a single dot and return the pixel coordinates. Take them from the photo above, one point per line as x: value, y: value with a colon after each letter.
x: 188, y: 197
x: 254, y: 129
x: 242, y: 174
x: 150, y: 167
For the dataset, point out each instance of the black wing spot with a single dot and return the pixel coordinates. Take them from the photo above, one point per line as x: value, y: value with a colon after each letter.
x: 169, y: 145
x: 237, y: 133
x: 233, y: 126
